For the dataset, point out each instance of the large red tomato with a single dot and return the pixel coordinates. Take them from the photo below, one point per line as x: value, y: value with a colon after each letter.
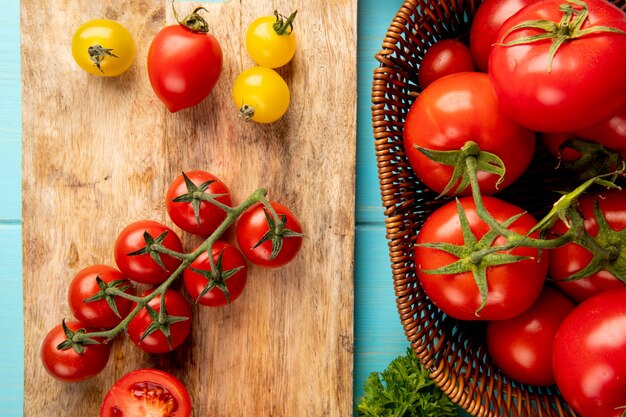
x: 147, y: 392
x: 89, y: 302
x: 188, y: 205
x: 177, y: 325
x: 489, y: 17
x: 512, y: 287
x: 589, y: 356
x: 143, y: 267
x: 222, y: 286
x: 67, y: 364
x: 522, y: 345
x: 454, y: 110
x: 572, y: 258
x: 580, y: 86
x: 184, y: 65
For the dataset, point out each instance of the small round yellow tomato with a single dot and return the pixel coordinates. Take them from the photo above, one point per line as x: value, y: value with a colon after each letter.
x: 261, y: 95
x: 103, y: 47
x: 270, y: 40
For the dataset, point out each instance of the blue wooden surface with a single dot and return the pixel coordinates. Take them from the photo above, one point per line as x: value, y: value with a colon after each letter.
x: 378, y: 335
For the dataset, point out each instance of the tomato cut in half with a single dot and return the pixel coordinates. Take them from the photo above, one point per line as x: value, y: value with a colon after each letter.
x: 147, y: 392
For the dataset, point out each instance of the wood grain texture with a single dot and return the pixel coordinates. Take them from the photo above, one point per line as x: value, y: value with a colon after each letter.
x: 99, y: 154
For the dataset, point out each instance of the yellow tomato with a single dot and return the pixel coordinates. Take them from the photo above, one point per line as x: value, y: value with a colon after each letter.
x: 261, y: 95
x: 103, y: 47
x: 270, y: 40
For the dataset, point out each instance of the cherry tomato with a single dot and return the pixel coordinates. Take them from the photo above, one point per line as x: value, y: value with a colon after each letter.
x: 227, y: 282
x: 143, y: 267
x: 187, y: 205
x: 270, y: 40
x: 522, y: 345
x: 589, y: 356
x: 104, y: 311
x: 572, y: 258
x: 444, y: 57
x: 103, y: 47
x: 261, y: 95
x: 178, y: 324
x: 184, y: 63
x: 512, y: 287
x: 489, y: 17
x: 454, y: 110
x: 67, y: 364
x: 257, y: 224
x: 147, y: 392
x: 579, y: 87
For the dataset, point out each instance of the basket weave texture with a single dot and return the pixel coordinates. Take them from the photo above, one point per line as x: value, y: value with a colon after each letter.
x: 453, y: 351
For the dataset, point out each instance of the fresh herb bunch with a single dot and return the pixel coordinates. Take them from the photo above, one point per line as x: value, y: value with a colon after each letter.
x: 404, y: 389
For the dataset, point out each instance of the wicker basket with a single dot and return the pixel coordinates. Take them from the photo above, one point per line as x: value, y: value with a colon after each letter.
x: 452, y: 350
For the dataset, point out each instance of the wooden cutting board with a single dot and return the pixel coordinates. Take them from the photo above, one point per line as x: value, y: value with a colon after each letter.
x: 99, y: 153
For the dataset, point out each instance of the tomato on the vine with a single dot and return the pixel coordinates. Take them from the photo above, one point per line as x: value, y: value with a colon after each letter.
x: 189, y: 202
x: 89, y: 302
x: 184, y: 63
x: 444, y: 57
x: 135, y: 252
x: 270, y: 40
x: 263, y: 241
x: 221, y: 286
x: 103, y: 47
x: 521, y: 346
x: 563, y: 89
x: 485, y: 287
x: 572, y: 267
x: 261, y: 95
x: 147, y: 392
x: 72, y: 363
x: 155, y: 333
x: 589, y: 356
x: 453, y: 111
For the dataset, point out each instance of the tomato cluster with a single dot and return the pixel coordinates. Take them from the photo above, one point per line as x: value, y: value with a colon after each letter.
x: 185, y: 61
x: 149, y: 256
x: 551, y: 292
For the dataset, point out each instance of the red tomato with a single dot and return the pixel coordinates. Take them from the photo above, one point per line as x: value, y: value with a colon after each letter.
x: 444, y: 57
x: 67, y: 364
x: 191, y: 193
x: 611, y: 134
x: 183, y: 65
x: 177, y: 308
x: 589, y: 356
x: 489, y: 17
x: 459, y: 108
x: 512, y: 288
x: 230, y: 275
x: 522, y: 345
x: 147, y: 392
x: 571, y: 258
x: 98, y: 313
x: 142, y: 267
x: 581, y: 87
x: 254, y: 225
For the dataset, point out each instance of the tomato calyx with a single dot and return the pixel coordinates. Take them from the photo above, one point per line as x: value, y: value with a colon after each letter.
x: 161, y: 321
x: 216, y: 276
x: 475, y: 255
x: 193, y: 21
x: 108, y: 291
x: 277, y: 230
x: 75, y: 339
x: 284, y: 25
x: 97, y: 54
x: 197, y: 194
x: 568, y: 28
x: 155, y: 248
x: 486, y: 161
x: 595, y: 159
